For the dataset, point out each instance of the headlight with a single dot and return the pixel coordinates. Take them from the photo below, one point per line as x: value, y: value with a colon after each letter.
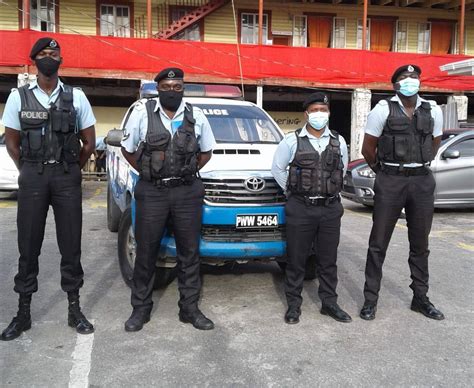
x: 366, y: 172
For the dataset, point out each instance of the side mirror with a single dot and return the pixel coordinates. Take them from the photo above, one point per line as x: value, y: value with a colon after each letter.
x: 114, y: 137
x: 451, y: 154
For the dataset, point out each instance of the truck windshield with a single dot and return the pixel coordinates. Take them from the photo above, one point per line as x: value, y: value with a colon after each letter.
x: 240, y: 124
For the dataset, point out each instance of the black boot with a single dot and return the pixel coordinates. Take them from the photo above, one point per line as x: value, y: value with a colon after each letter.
x: 75, y: 317
x: 22, y: 321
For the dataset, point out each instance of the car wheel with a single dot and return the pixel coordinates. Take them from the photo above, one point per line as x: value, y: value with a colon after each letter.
x: 113, y: 212
x: 127, y: 247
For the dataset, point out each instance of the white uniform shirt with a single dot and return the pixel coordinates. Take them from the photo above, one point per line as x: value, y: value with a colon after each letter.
x: 137, y: 125
x: 378, y: 116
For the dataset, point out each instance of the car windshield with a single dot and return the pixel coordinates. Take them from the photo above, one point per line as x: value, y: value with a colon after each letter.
x: 240, y: 124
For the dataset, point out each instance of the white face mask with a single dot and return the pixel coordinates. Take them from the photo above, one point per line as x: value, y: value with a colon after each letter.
x: 318, y: 120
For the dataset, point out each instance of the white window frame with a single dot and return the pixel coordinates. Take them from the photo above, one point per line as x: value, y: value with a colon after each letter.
x: 37, y: 17
x: 359, y: 36
x: 395, y: 40
x: 333, y: 34
x: 418, y: 50
x: 255, y: 24
x: 305, y: 31
x: 455, y: 40
x: 116, y: 27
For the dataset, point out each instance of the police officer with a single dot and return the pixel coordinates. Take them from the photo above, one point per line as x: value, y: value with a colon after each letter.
x: 402, y: 136
x: 45, y: 123
x: 317, y: 159
x: 168, y: 141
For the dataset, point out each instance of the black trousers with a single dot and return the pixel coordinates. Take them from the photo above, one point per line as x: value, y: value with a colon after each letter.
x: 308, y: 225
x: 392, y: 193
x: 61, y: 190
x: 153, y: 207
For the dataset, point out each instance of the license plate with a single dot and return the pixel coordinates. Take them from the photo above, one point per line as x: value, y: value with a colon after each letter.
x: 256, y: 220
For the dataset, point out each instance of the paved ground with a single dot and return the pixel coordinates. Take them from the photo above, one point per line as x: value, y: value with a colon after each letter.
x: 251, y: 345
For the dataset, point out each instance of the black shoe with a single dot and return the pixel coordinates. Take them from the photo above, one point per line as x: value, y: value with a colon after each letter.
x: 137, y: 320
x: 292, y: 316
x: 368, y: 311
x: 334, y: 311
x: 197, y: 319
x: 77, y: 320
x: 424, y: 306
x: 18, y: 325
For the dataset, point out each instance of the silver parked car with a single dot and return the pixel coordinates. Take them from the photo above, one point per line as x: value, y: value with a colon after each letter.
x: 453, y: 170
x: 8, y: 170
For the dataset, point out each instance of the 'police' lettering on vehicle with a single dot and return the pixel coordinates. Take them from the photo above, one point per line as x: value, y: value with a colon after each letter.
x: 215, y: 112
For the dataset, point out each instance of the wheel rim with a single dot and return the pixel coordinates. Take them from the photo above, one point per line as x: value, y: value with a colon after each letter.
x: 131, y: 248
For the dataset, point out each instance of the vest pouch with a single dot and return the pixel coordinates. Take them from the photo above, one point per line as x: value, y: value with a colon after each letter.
x: 145, y: 166
x: 424, y: 123
x: 306, y: 180
x: 398, y: 124
x: 293, y: 176
x: 71, y: 148
x: 427, y: 149
x: 31, y: 122
x: 181, y: 140
x: 34, y: 139
x: 72, y: 117
x: 157, y: 141
x: 57, y: 121
x: 385, y: 147
x: 401, y: 148
x: 157, y: 160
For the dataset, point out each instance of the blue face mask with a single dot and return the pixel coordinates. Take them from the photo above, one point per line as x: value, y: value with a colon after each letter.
x: 409, y: 86
x: 318, y: 120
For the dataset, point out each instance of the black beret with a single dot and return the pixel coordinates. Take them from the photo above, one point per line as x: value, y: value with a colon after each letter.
x: 170, y: 73
x: 316, y: 98
x: 404, y: 68
x: 43, y: 43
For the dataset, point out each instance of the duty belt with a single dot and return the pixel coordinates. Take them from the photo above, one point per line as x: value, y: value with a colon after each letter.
x: 173, y: 181
x: 318, y: 201
x: 405, y: 171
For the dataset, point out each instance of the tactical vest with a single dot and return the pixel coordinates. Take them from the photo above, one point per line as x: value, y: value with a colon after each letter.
x: 48, y: 134
x: 406, y: 140
x: 164, y: 156
x: 312, y: 174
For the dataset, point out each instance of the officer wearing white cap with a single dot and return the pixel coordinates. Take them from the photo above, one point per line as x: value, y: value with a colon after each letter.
x: 49, y: 133
x: 317, y: 160
x: 402, y: 136
x: 168, y: 141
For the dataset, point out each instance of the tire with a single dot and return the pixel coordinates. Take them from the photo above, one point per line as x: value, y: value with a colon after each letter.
x: 126, y: 246
x: 127, y: 254
x: 113, y: 212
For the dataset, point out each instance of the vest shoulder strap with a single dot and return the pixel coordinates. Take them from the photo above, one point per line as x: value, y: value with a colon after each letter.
x: 426, y: 105
x: 66, y: 98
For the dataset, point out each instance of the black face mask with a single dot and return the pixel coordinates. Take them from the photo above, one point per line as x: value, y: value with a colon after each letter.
x: 47, y: 66
x: 171, y: 100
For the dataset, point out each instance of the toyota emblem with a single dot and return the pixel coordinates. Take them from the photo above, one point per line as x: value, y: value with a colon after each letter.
x: 254, y: 184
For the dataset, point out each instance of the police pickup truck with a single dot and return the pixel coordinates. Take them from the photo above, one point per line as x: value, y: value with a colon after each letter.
x: 243, y: 211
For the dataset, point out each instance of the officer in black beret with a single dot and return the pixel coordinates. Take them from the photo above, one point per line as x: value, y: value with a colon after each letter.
x: 49, y: 133
x: 317, y: 159
x: 168, y: 141
x: 402, y: 136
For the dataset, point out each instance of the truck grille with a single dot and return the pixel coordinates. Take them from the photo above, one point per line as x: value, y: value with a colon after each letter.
x: 232, y: 234
x: 233, y: 191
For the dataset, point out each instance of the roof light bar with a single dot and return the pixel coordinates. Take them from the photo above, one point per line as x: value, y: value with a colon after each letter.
x: 148, y: 90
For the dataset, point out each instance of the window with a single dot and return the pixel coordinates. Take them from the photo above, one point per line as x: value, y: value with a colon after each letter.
x: 465, y: 148
x: 114, y: 20
x: 249, y: 28
x: 300, y: 31
x: 339, y: 33
x: 454, y: 49
x: 191, y: 33
x: 359, y: 34
x: 424, y: 37
x: 401, y: 36
x: 42, y: 15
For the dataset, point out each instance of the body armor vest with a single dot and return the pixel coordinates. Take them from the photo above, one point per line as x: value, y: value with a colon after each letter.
x: 48, y: 134
x: 406, y: 140
x: 312, y: 174
x: 164, y: 156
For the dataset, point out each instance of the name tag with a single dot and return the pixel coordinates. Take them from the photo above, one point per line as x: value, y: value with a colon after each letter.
x: 28, y: 114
